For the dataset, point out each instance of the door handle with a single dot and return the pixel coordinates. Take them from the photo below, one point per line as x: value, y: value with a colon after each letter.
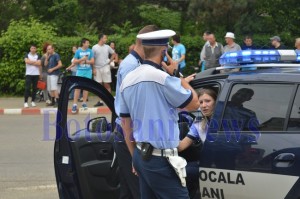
x: 103, y: 151
x: 284, y: 160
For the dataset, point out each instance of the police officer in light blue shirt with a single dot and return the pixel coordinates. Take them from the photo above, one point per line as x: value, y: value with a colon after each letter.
x: 149, y: 100
x: 129, y: 184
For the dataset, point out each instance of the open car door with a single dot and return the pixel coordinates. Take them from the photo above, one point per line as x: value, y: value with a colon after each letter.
x: 84, y: 160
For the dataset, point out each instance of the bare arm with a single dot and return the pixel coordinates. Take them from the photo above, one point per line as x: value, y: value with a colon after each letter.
x: 181, y: 58
x: 127, y: 130
x: 113, y: 56
x: 71, y: 66
x: 185, y: 143
x: 194, y: 104
x: 80, y: 61
x: 202, y: 55
x: 116, y: 59
x: 58, y: 66
x: 91, y: 61
x: 33, y: 62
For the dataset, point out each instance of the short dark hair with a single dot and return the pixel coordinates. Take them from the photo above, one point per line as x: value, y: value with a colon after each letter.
x: 111, y: 42
x: 145, y: 29
x: 176, y: 38
x: 83, y: 40
x: 101, y: 35
x: 148, y: 28
x: 32, y: 45
x: 248, y: 37
x: 207, y: 32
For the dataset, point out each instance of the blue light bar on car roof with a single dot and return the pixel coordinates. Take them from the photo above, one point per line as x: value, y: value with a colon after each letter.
x: 259, y: 56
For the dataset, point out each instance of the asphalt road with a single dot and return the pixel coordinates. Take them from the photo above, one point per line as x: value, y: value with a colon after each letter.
x: 26, y: 161
x: 26, y: 155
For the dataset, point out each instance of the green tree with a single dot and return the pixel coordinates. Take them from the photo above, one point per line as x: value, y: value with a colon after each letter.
x: 12, y: 9
x: 62, y: 14
x: 282, y: 14
x: 160, y: 16
x: 218, y: 15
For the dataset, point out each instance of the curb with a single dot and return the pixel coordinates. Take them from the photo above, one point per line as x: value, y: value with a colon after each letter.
x: 42, y: 111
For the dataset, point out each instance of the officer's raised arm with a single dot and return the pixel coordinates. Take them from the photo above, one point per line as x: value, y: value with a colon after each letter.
x: 192, y: 103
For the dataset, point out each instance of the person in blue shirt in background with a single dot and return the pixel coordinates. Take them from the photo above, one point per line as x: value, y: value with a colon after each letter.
x: 84, y: 59
x: 178, y: 52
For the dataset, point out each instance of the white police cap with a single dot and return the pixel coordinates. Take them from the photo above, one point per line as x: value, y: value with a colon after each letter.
x: 156, y: 38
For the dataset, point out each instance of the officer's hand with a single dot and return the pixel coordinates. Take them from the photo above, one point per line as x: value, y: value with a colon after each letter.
x: 134, y: 171
x: 189, y: 78
x: 171, y: 67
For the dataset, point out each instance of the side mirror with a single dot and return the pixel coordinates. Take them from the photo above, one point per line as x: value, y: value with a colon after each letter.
x: 98, y: 125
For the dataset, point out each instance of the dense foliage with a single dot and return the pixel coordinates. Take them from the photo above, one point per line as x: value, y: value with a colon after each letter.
x: 15, y: 42
x: 65, y: 22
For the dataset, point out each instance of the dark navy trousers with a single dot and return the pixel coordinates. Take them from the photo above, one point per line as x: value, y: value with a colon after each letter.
x: 129, y: 183
x: 158, y: 179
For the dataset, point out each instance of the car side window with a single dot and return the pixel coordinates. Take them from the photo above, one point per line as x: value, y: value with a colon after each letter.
x: 253, y: 107
x: 294, y: 120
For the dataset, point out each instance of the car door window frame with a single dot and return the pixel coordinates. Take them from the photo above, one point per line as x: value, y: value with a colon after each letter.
x: 289, y: 108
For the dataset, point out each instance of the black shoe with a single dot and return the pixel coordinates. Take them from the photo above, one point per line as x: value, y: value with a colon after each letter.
x: 98, y: 104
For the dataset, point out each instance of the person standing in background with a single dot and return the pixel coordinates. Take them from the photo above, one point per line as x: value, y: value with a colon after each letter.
x: 276, y: 43
x: 45, y: 73
x: 201, y: 60
x: 248, y: 43
x: 114, y: 65
x: 212, y: 52
x: 178, y: 52
x: 84, y: 59
x: 73, y: 69
x: 53, y: 64
x: 101, y: 52
x: 33, y: 73
x: 231, y: 45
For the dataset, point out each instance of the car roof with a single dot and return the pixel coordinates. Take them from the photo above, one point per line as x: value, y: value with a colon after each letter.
x: 268, y: 73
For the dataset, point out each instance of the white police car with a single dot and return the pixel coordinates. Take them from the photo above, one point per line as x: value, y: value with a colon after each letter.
x: 240, y: 158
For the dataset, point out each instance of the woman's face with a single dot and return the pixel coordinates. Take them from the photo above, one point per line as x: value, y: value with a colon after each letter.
x: 207, y: 104
x: 112, y: 45
x: 74, y: 48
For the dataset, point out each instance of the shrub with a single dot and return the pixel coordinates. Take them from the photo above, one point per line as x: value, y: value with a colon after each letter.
x: 15, y: 42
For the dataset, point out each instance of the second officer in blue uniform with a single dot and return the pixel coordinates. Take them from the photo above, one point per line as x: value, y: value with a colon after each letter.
x: 148, y: 107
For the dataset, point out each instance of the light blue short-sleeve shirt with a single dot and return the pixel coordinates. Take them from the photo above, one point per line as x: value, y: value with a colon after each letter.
x: 177, y: 52
x: 151, y: 97
x: 131, y: 62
